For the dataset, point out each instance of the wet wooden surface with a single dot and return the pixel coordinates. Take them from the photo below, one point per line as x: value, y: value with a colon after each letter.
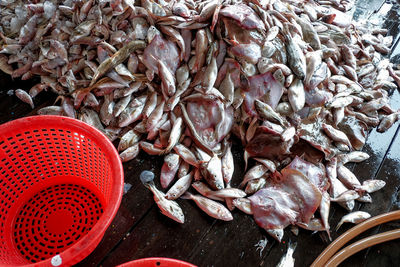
x: 139, y: 230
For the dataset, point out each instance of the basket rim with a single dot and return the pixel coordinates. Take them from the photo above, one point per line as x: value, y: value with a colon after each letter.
x: 89, y: 242
x: 151, y: 261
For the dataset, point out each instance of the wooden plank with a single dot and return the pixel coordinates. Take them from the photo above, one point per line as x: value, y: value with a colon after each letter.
x: 387, y: 197
x: 11, y: 107
x: 233, y: 242
x: 165, y: 234
x: 363, y: 9
x: 159, y: 236
x: 121, y: 224
x: 382, y: 254
x: 135, y: 204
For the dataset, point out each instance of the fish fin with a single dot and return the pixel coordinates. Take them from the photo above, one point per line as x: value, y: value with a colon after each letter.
x: 187, y: 195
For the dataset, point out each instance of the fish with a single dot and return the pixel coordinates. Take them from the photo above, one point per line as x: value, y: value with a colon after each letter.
x: 346, y: 196
x: 336, y: 135
x: 267, y: 112
x: 254, y: 185
x: 204, y: 190
x: 353, y: 156
x: 175, y: 134
x: 313, y: 61
x: 210, y: 76
x: 243, y: 204
x: 287, y: 260
x: 354, y: 217
x: 212, y: 172
x: 180, y: 187
x: 120, y: 56
x: 371, y: 186
x: 168, y: 80
x: 169, y: 169
x: 296, y: 58
x: 51, y: 110
x: 324, y: 211
x: 201, y: 48
x: 347, y: 177
x: 296, y: 95
x: 121, y: 105
x: 277, y: 233
x: 186, y: 155
x: 211, y: 207
x: 293, y: 81
x: 24, y: 97
x: 254, y: 173
x: 388, y: 122
x: 155, y: 116
x: 169, y: 208
x: 228, y: 192
x: 130, y: 153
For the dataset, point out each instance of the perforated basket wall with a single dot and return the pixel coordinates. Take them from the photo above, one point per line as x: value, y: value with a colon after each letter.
x: 60, y: 186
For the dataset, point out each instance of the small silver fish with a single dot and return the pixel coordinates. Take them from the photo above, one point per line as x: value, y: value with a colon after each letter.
x: 169, y: 169
x: 180, y: 187
x: 167, y: 79
x: 117, y: 59
x: 296, y: 95
x: 121, y: 105
x: 277, y: 233
x: 227, y: 164
x: 228, y: 192
x: 186, y: 155
x: 354, y: 156
x: 388, y: 122
x: 296, y: 58
x: 347, y: 177
x: 150, y: 149
x: 371, y: 186
x: 255, y: 185
x: 227, y: 88
x: 24, y: 97
x: 51, y: 110
x: 210, y: 76
x: 254, y: 173
x: 324, y: 208
x: 212, y: 172
x: 354, y: 217
x: 175, y: 134
x: 287, y: 260
x: 130, y: 153
x: 315, y: 224
x: 168, y: 207
x: 211, y: 207
x: 288, y: 133
x: 346, y: 196
x: 204, y: 190
x: 243, y: 204
x: 267, y: 112
x: 155, y: 116
x: 336, y: 135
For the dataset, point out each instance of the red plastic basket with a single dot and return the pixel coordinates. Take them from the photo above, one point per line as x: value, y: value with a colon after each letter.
x: 157, y: 262
x: 61, y: 184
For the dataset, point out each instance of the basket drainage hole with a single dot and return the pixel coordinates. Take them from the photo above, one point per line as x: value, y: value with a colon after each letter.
x: 158, y: 263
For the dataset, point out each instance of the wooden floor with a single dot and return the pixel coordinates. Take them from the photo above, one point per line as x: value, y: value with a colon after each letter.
x: 139, y: 230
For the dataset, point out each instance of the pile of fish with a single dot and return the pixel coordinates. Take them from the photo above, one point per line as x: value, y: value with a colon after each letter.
x: 297, y: 82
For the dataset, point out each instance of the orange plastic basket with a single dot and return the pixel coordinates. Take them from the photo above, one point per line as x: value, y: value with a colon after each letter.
x: 61, y: 184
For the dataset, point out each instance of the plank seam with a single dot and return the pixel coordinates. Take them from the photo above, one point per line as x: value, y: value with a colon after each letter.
x: 122, y: 238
